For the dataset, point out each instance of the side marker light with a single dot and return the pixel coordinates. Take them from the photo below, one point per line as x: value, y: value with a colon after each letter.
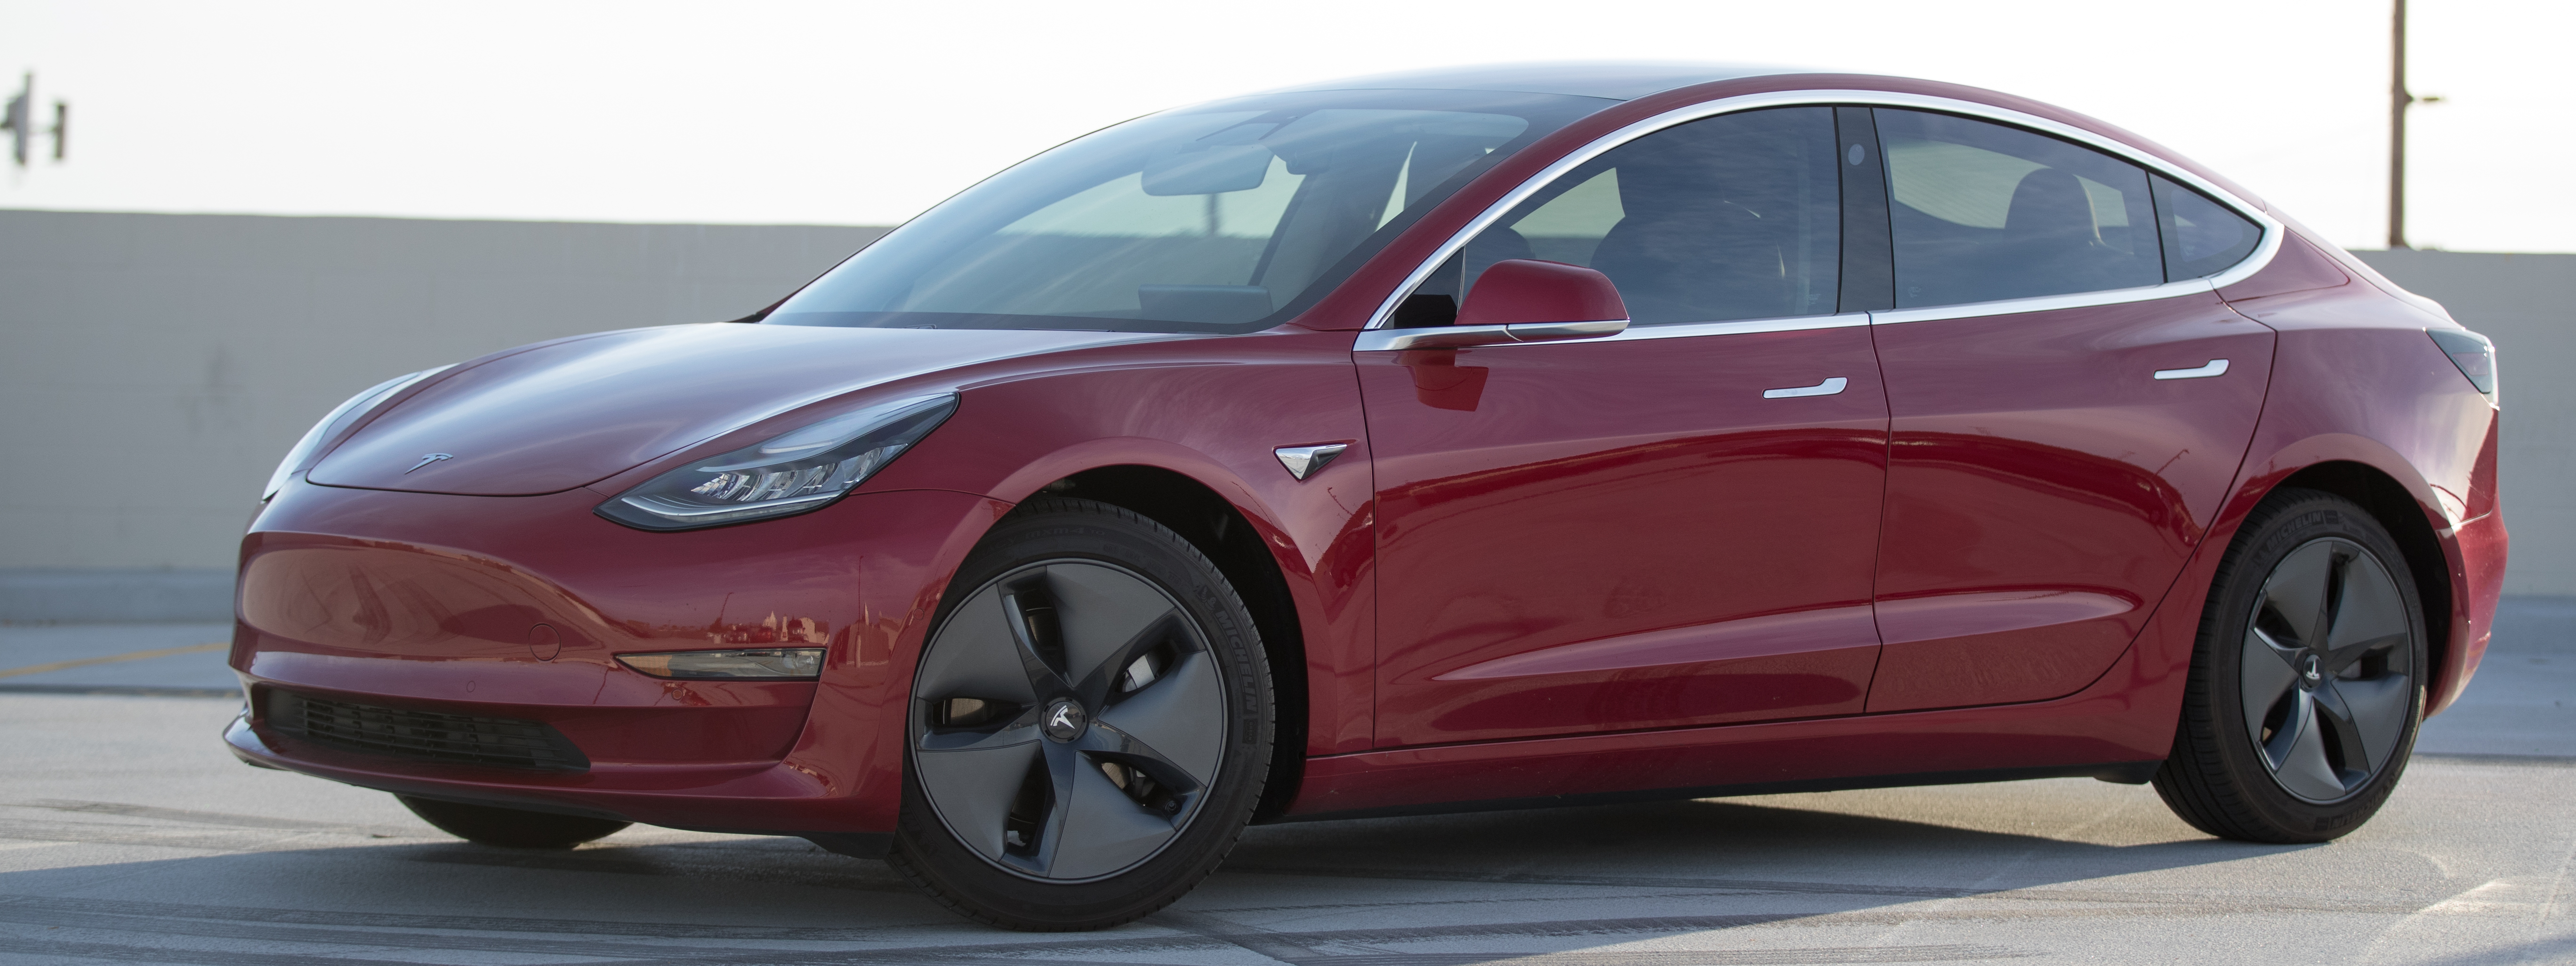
x: 776, y: 663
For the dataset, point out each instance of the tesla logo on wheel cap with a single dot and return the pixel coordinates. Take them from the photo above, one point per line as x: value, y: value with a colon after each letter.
x: 428, y: 458
x: 2310, y: 670
x: 1064, y: 720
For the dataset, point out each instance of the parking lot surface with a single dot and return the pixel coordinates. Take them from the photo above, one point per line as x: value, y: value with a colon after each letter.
x: 128, y: 834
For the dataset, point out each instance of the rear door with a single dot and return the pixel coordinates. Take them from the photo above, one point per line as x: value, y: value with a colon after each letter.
x: 1671, y: 527
x: 2064, y: 423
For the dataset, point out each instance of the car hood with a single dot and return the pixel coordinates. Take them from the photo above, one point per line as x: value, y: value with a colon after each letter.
x: 569, y: 413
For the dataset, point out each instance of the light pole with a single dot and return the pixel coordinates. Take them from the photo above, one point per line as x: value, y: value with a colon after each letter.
x: 2398, y: 99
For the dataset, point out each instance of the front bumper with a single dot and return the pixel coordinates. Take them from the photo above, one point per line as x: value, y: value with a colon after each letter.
x: 514, y: 607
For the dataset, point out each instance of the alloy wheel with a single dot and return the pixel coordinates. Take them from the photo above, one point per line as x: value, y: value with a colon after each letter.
x: 2327, y: 675
x: 1068, y: 720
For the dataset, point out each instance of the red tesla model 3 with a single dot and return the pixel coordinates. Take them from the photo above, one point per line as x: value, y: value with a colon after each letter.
x: 1470, y: 439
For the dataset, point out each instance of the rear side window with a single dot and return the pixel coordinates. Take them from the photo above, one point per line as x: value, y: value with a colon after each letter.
x: 1981, y: 212
x: 1732, y: 217
x: 2202, y: 237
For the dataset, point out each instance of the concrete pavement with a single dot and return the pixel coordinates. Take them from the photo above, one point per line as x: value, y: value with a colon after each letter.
x: 2523, y: 699
x: 128, y: 834
x: 116, y: 658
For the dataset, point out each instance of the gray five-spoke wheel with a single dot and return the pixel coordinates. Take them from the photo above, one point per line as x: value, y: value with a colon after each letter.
x: 1068, y: 720
x: 2328, y: 676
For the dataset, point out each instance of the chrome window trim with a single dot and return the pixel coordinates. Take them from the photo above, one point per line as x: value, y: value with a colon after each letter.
x: 2048, y: 303
x: 2264, y: 250
x: 1381, y: 340
x: 1687, y: 330
x: 1460, y: 336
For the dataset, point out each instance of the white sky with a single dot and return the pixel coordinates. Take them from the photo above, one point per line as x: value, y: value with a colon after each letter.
x: 866, y: 113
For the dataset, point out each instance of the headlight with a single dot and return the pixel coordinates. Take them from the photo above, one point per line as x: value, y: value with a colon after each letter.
x: 349, y: 412
x: 775, y: 662
x: 794, y: 473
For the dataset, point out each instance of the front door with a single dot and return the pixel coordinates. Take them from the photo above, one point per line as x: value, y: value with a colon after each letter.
x: 2050, y: 467
x: 1670, y: 527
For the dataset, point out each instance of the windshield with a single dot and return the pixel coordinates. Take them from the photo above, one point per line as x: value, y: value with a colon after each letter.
x: 1229, y: 217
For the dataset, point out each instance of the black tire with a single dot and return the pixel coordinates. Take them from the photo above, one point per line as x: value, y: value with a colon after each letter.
x: 2307, y: 685
x: 510, y: 828
x: 1058, y: 578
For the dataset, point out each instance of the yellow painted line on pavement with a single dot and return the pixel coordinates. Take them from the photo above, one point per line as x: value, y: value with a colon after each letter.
x: 112, y: 659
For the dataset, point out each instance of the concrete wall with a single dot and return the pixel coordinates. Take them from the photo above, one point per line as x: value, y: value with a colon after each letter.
x: 154, y: 367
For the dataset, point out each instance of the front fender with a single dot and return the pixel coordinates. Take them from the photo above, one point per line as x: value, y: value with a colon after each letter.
x: 1211, y: 410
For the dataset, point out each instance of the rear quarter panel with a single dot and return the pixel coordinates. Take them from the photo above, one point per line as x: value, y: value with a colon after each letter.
x: 2355, y: 379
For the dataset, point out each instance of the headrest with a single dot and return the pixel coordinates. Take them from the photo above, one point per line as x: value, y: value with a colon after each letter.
x: 2051, y: 203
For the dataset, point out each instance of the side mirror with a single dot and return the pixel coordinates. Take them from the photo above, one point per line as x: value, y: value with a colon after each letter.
x: 1523, y: 291
x: 1519, y: 300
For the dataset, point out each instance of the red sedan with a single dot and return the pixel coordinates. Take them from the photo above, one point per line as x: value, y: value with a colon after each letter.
x: 1483, y: 438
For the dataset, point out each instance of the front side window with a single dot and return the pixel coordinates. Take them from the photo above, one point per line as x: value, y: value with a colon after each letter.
x: 1732, y: 217
x: 1979, y: 212
x: 1228, y: 217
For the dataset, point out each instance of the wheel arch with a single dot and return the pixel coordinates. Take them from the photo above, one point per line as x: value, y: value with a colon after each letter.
x: 2396, y: 509
x: 1231, y: 540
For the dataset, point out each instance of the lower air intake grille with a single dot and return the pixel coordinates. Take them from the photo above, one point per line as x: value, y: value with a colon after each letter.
x: 425, y: 735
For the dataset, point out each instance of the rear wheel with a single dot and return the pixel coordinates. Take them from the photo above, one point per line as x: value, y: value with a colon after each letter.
x: 510, y: 827
x: 2308, y: 683
x: 1091, y: 723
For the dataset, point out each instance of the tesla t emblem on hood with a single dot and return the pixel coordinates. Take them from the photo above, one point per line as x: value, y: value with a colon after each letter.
x: 1303, y: 461
x: 428, y: 458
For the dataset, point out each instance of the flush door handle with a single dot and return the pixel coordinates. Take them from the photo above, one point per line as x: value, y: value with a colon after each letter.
x: 2216, y: 367
x: 1826, y: 388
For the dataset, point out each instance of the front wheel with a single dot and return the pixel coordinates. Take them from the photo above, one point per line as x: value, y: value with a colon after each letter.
x: 2308, y: 682
x: 1090, y: 723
